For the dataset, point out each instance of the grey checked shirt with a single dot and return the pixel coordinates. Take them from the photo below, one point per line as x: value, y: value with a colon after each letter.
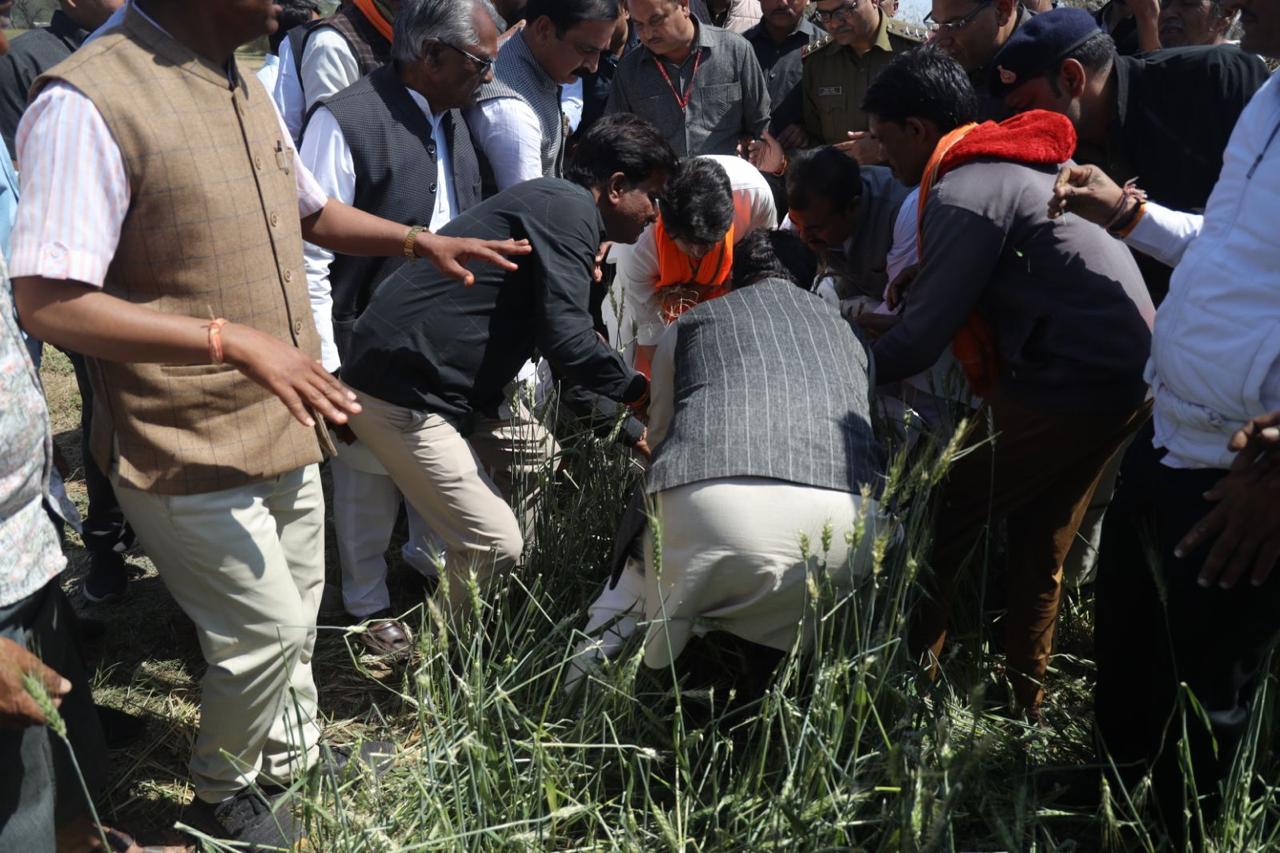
x: 729, y: 100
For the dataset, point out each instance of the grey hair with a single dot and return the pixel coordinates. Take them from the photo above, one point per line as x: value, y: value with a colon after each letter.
x: 419, y: 23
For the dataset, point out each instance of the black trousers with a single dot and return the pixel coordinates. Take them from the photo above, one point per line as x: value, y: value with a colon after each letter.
x: 1156, y: 627
x: 104, y: 524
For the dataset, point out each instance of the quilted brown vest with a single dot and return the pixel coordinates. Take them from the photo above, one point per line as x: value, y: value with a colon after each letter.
x: 212, y: 231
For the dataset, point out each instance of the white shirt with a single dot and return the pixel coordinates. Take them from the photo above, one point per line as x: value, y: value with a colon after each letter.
x: 75, y: 191
x: 326, y: 153
x: 1215, y: 351
x: 508, y: 133
x: 571, y: 104
x: 287, y: 92
x: 753, y: 209
x: 269, y: 71
x: 328, y: 67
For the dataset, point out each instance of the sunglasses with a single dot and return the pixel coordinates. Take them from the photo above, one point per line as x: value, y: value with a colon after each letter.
x: 481, y: 63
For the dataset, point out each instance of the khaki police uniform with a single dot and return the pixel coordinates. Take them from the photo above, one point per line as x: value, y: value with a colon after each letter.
x: 836, y: 79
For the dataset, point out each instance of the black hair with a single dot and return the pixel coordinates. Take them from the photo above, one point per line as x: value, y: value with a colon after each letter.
x: 923, y: 83
x: 1094, y: 54
x: 773, y: 254
x: 698, y: 203
x: 567, y: 14
x: 293, y: 13
x: 621, y: 142
x: 823, y: 173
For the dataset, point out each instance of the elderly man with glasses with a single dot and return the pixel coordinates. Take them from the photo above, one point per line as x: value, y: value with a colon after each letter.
x: 972, y: 33
x: 837, y: 73
x: 366, y: 146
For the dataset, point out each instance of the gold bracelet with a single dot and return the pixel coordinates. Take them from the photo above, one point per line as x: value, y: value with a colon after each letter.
x: 410, y: 242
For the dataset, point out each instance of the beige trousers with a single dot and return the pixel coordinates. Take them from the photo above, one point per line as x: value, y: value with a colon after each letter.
x: 732, y: 559
x: 247, y: 566
x: 458, y: 484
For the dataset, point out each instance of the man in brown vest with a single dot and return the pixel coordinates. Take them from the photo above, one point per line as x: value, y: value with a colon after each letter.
x: 176, y: 267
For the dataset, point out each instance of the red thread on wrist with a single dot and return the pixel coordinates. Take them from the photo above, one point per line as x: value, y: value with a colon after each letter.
x: 215, y: 339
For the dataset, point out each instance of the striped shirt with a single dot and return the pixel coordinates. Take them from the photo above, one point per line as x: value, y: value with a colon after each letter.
x: 75, y: 191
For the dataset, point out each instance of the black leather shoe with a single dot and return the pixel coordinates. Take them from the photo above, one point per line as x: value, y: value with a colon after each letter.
x: 252, y: 818
x: 385, y: 636
x: 107, y: 578
x: 118, y: 728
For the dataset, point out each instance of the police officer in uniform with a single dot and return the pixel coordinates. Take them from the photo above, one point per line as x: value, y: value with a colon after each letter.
x: 837, y: 71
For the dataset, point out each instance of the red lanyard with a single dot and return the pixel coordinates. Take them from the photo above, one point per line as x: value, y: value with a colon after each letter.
x: 688, y: 92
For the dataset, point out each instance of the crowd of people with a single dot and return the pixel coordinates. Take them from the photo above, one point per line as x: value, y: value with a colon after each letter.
x: 744, y: 238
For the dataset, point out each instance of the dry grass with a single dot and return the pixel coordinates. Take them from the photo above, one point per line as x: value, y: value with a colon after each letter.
x: 149, y: 664
x: 845, y: 750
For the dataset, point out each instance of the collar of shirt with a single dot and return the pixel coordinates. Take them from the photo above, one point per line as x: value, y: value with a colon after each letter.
x: 135, y: 9
x: 981, y: 76
x: 1122, y: 68
x: 881, y: 40
x: 701, y: 40
x: 804, y: 30
x: 520, y: 49
x: 423, y: 104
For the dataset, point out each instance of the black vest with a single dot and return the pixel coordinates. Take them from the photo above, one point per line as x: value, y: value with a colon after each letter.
x: 394, y: 156
x: 771, y: 382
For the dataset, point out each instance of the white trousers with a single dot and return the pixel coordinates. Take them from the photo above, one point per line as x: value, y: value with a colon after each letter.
x: 732, y: 559
x: 247, y: 566
x: 365, y: 506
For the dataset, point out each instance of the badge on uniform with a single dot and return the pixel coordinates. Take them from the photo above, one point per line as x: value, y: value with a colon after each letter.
x: 830, y: 91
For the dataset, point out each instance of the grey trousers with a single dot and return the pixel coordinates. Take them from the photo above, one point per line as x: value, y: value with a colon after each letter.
x: 38, y: 785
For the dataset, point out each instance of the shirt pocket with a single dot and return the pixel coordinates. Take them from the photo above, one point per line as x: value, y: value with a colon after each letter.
x: 721, y: 108
x: 833, y: 111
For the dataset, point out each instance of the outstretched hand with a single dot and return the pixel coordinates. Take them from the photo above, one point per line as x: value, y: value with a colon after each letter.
x: 17, y: 709
x: 1087, y: 192
x: 1244, y: 527
x: 301, y: 383
x: 863, y: 147
x: 451, y: 254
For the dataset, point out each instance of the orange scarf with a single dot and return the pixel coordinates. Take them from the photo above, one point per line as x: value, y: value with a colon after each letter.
x: 710, y: 273
x: 1035, y: 137
x: 974, y: 345
x: 380, y: 19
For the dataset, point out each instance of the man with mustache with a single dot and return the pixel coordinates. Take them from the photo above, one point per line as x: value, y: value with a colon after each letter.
x: 517, y: 121
x: 701, y: 85
x: 836, y: 75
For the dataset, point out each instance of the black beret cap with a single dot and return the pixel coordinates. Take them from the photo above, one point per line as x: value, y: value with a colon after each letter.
x: 1039, y: 45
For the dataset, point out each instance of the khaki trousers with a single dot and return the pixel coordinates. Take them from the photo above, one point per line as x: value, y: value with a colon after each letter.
x: 1038, y: 471
x: 247, y: 566
x: 458, y: 484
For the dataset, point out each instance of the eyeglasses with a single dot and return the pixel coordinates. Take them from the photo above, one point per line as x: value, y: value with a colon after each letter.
x: 481, y: 63
x: 842, y: 11
x: 955, y: 24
